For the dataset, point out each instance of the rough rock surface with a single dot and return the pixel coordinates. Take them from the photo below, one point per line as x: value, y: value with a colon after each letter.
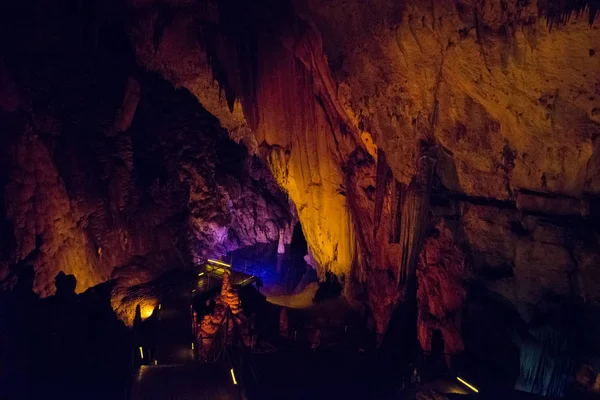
x: 506, y: 91
x: 337, y: 101
x: 442, y: 291
x: 226, y: 316
x: 105, y: 166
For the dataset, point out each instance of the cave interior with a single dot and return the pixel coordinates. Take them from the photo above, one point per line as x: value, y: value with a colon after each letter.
x: 290, y: 199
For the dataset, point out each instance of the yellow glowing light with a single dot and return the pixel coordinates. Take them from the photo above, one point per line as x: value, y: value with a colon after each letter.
x: 233, y: 377
x: 155, y: 362
x: 147, y: 312
x: 141, y: 352
x: 219, y: 262
x: 201, y: 273
x: 192, y: 346
x: 159, y: 306
x: 473, y: 388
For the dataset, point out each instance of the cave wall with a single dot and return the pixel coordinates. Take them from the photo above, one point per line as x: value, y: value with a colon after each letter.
x: 507, y: 93
x: 336, y: 101
x: 106, y: 167
x: 282, y: 120
x: 232, y: 199
x: 512, y: 99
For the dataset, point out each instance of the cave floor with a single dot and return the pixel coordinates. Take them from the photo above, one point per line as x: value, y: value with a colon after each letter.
x: 190, y: 381
x: 173, y: 333
x: 301, y: 300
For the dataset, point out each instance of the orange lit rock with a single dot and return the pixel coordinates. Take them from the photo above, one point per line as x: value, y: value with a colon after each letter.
x: 45, y: 219
x: 492, y: 83
x: 317, y: 92
x: 226, y: 317
x: 442, y: 276
x: 130, y: 290
x: 292, y: 127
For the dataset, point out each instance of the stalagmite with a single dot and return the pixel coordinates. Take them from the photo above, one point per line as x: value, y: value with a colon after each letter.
x: 226, y: 318
x: 281, y: 242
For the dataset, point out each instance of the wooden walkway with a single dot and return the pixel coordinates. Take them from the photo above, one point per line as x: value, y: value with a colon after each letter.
x: 184, y: 382
x: 175, y: 374
x: 216, y: 271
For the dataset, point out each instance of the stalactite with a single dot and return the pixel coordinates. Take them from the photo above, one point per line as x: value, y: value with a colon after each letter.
x: 280, y: 75
x: 398, y: 190
x: 558, y: 12
x: 383, y: 177
x: 415, y: 210
x: 361, y: 251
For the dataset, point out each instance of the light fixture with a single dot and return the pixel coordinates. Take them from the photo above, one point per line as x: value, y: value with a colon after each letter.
x: 218, y: 262
x: 473, y: 388
x: 147, y: 311
x: 141, y: 353
x: 201, y: 273
x: 159, y: 306
x: 155, y: 362
x: 233, y: 377
x: 192, y: 345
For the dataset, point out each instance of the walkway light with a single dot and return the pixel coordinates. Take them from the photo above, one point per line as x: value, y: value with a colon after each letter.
x: 233, y: 377
x: 141, y: 353
x: 218, y: 262
x: 473, y: 388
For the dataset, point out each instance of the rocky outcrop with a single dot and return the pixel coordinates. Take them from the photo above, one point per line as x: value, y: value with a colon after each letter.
x: 105, y: 166
x: 339, y: 103
x: 487, y: 83
x: 232, y: 199
x: 442, y: 293
x: 223, y: 324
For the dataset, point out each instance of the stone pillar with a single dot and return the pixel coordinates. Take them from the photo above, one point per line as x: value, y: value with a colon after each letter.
x: 281, y: 243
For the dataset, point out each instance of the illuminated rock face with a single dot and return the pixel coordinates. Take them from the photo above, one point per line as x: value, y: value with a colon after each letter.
x: 227, y: 311
x: 510, y: 99
x: 291, y: 128
x: 44, y: 219
x: 315, y: 89
x: 336, y: 101
x: 443, y: 278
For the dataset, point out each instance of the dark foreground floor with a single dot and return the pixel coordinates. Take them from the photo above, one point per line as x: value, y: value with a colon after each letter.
x: 185, y: 382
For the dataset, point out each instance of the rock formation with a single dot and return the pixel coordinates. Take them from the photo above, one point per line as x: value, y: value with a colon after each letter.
x: 223, y: 324
x: 442, y: 293
x: 338, y: 100
x: 328, y: 94
x: 106, y: 166
x: 340, y: 103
